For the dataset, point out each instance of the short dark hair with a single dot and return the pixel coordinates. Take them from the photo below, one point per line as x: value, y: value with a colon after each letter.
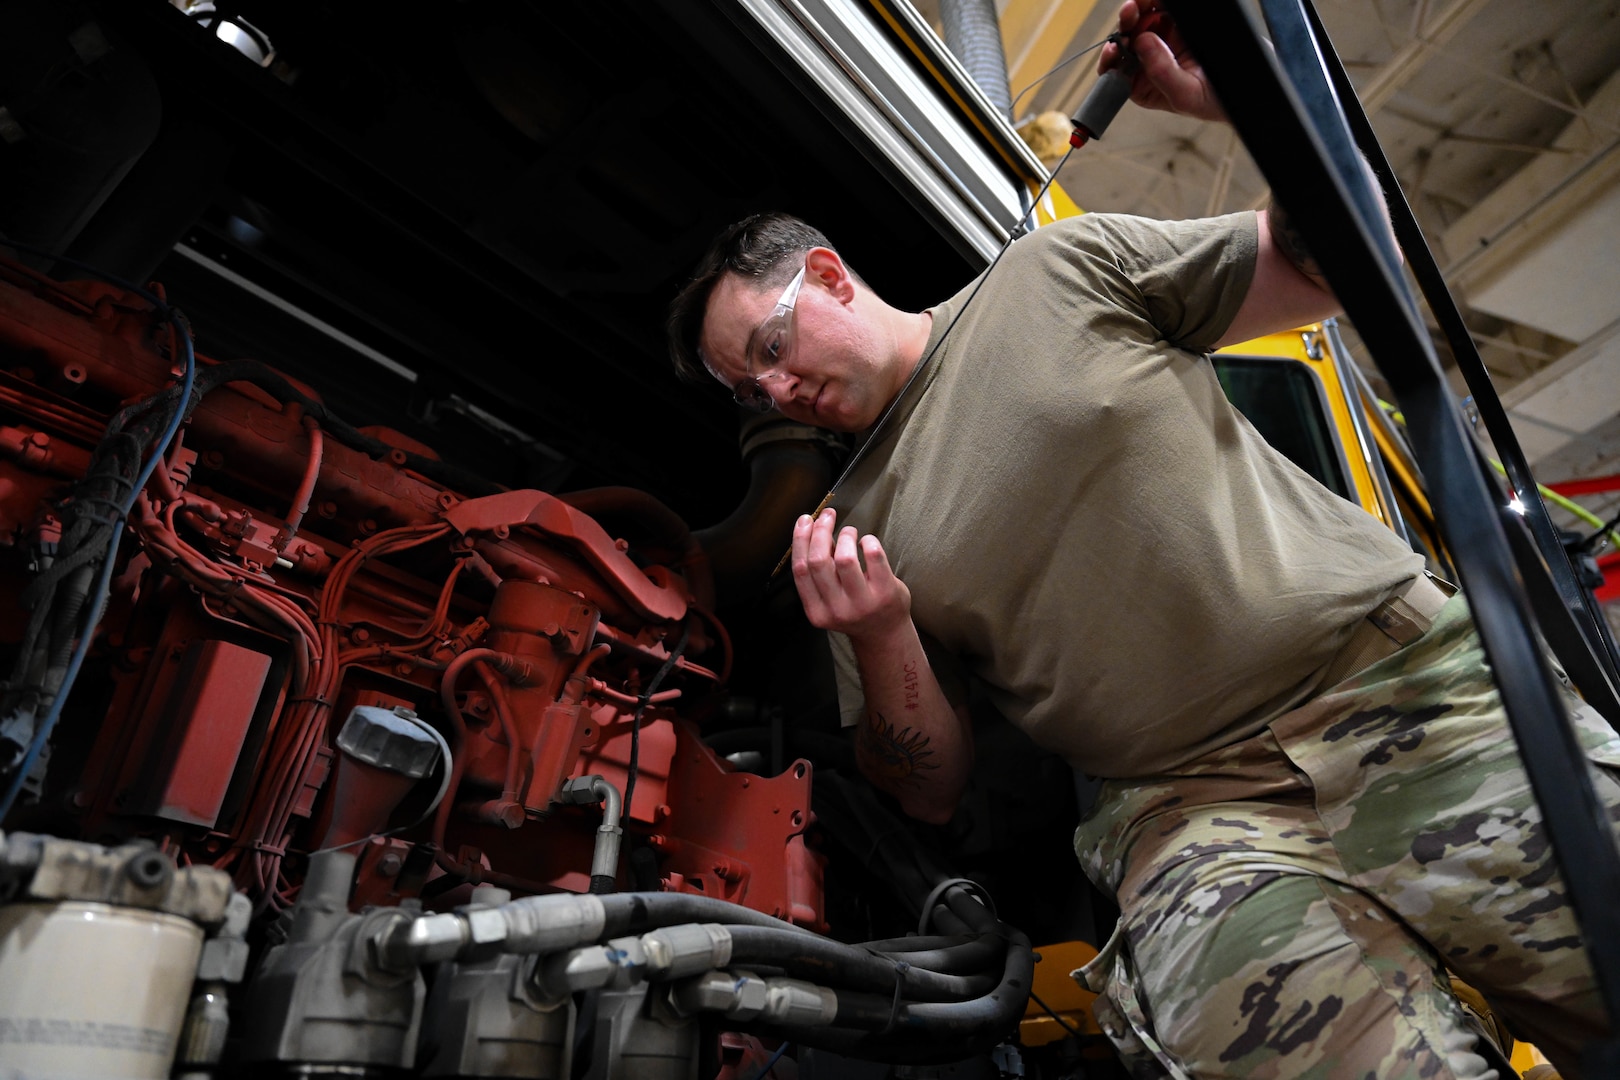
x: 762, y: 247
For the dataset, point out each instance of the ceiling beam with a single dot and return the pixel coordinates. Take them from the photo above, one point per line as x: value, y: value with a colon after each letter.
x: 1575, y: 171
x: 1427, y: 38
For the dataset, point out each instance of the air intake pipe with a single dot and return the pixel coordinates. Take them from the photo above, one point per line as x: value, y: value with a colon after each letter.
x: 790, y: 467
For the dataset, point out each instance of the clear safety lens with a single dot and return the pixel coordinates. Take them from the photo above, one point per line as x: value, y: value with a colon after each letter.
x: 751, y: 395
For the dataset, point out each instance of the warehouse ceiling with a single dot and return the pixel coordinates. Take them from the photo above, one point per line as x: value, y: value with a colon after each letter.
x: 1502, y: 120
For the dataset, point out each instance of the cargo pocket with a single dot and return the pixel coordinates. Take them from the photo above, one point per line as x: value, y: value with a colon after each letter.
x: 1602, y: 748
x: 1111, y: 977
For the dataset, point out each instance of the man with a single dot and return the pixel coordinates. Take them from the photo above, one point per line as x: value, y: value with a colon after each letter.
x: 1312, y: 794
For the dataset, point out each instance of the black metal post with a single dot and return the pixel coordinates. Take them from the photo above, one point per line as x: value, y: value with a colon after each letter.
x: 1288, y: 125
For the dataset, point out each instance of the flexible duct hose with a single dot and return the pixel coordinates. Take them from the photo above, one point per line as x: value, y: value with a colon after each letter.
x: 974, y: 36
x: 789, y: 469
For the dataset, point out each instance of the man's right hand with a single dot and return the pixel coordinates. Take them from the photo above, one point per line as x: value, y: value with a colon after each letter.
x: 1169, y: 78
x: 839, y: 593
x: 913, y: 744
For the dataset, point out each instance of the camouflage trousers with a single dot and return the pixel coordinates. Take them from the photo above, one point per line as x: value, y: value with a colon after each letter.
x: 1290, y: 902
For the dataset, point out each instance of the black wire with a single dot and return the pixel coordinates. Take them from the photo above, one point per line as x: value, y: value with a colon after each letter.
x: 635, y: 721
x: 1590, y: 544
x: 1070, y: 1028
x: 1013, y: 108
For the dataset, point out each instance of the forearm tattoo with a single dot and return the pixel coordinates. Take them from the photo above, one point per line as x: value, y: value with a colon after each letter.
x: 893, y: 755
x: 1292, y: 244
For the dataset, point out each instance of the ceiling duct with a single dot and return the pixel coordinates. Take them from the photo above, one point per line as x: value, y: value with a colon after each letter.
x: 973, y: 33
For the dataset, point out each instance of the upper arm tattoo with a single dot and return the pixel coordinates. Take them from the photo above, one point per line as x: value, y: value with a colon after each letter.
x: 1287, y: 237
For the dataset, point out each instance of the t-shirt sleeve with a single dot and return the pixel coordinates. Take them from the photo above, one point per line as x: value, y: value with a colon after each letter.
x: 1191, y: 276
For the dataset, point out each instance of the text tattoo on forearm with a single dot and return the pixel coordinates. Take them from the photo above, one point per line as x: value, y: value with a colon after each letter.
x: 896, y: 755
x: 913, y: 685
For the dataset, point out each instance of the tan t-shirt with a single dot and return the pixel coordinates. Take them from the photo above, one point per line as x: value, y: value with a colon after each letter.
x: 1089, y: 526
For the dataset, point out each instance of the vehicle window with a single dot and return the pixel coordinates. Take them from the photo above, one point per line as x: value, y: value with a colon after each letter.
x: 1283, y: 400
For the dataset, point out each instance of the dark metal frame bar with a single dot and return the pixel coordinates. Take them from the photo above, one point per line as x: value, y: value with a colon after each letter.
x: 1569, y: 614
x: 1294, y: 126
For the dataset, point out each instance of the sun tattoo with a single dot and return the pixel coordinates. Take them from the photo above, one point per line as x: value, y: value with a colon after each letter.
x: 895, y: 755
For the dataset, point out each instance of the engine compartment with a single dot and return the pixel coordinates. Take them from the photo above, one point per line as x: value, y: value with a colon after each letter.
x: 413, y: 644
x: 239, y: 631
x: 353, y: 696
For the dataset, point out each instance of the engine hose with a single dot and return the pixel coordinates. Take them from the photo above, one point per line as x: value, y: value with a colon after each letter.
x: 832, y: 963
x: 975, y: 955
x: 918, y: 943
x: 978, y: 918
x: 638, y: 912
x: 1000, y: 1008
x: 925, y: 1033
x: 869, y: 1012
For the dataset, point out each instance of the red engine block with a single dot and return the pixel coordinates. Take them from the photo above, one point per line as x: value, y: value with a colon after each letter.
x: 277, y: 578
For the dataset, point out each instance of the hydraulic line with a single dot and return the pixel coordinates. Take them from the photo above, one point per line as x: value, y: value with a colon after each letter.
x: 928, y: 1032
x: 306, y: 487
x: 584, y: 791
x: 636, y: 913
x: 973, y: 955
x: 836, y: 964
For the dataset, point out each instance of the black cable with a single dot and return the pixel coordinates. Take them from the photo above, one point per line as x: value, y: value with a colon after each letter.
x: 1070, y: 1028
x: 971, y: 955
x: 1591, y: 543
x: 833, y: 963
x: 926, y: 1032
x: 1012, y: 110
x: 641, y: 707
x: 95, y: 534
x: 628, y: 913
x: 940, y: 889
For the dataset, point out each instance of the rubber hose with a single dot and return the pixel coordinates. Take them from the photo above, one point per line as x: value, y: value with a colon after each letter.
x: 927, y: 1033
x: 998, y: 1009
x: 638, y: 912
x: 832, y: 963
x: 959, y: 960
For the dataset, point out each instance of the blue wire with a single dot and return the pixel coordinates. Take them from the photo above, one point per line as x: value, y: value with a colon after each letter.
x: 771, y: 1064
x: 98, y: 598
